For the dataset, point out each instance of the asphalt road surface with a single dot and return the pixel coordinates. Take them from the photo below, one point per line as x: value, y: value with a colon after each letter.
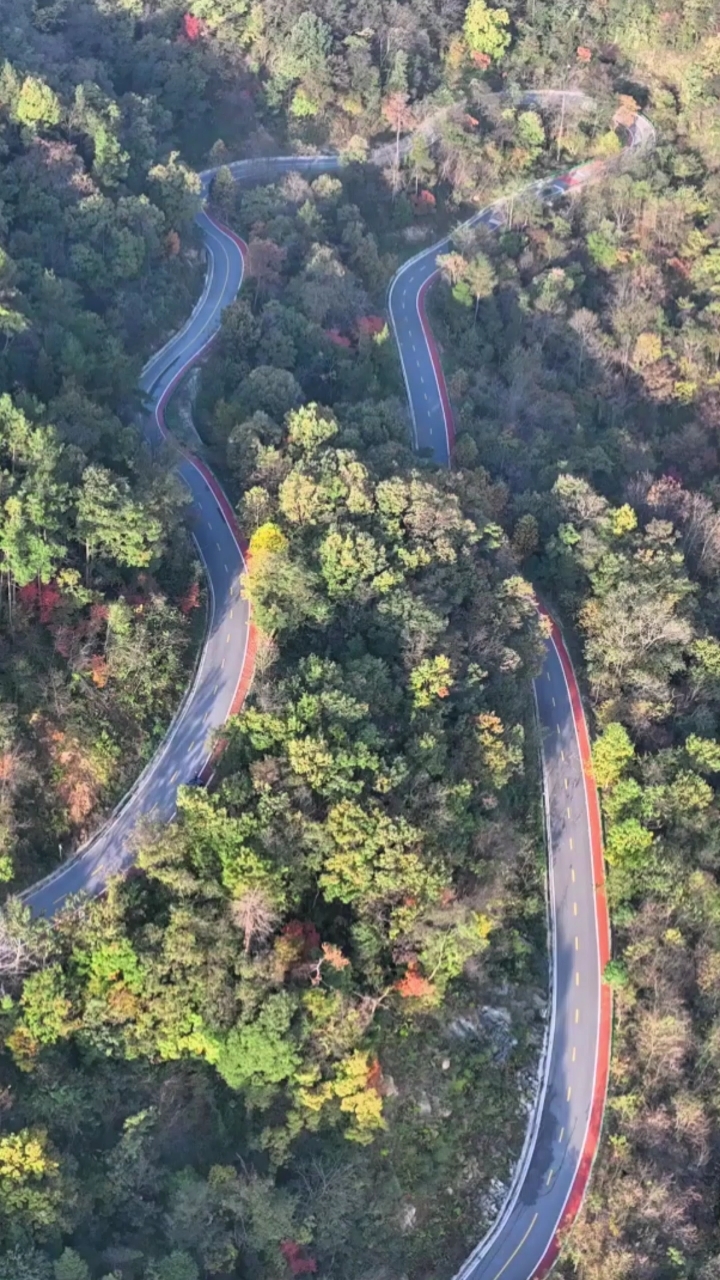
x: 187, y: 747
x: 570, y: 1083
x: 563, y: 1132
x: 221, y: 674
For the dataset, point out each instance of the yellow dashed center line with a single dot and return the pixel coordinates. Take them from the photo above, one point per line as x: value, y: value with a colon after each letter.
x: 515, y: 1252
x: 568, y: 811
x: 574, y: 908
x: 553, y: 700
x: 577, y: 944
x: 573, y: 869
x: 574, y: 1053
x: 562, y: 1134
x: 577, y: 1016
x: 566, y: 784
x: 577, y: 978
x: 227, y: 638
x: 549, y: 1178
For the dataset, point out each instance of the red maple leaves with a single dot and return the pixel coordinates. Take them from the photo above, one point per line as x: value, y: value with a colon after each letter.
x: 193, y: 28
x: 413, y: 983
x: 191, y: 599
x: 293, y: 1254
x: 46, y: 596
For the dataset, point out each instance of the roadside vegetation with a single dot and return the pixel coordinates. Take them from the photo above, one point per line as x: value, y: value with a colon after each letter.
x: 585, y: 380
x: 300, y: 1037
x: 363, y: 886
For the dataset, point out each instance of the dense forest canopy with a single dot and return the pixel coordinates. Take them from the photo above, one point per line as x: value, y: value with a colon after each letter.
x: 301, y: 1036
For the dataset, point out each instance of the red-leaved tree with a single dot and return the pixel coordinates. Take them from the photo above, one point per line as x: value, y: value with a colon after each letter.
x: 413, y: 984
x: 293, y: 1254
x: 192, y: 27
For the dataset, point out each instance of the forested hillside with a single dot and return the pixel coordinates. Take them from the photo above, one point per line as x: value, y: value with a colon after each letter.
x: 300, y: 1036
x: 301, y: 959
x: 587, y: 382
x: 98, y: 589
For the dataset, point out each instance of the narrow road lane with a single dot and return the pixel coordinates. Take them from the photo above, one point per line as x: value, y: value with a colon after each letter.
x: 579, y: 1035
x: 224, y: 664
x: 563, y: 1136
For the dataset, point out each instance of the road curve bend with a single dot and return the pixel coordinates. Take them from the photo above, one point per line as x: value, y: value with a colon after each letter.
x: 224, y: 666
x: 564, y: 1129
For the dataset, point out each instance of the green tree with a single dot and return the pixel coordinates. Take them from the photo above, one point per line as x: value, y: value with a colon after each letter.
x: 612, y: 752
x: 271, y: 391
x: 628, y: 844
x: 282, y: 588
x: 260, y: 1055
x: 223, y: 191
x: 176, y: 189
x: 33, y: 1192
x: 177, y: 1266
x: 37, y: 106
x: 70, y: 1266
x: 111, y: 522
x: 431, y: 679
x: 531, y: 132
x: 420, y: 162
x: 310, y: 427
x: 704, y: 753
x: 45, y: 1010
x: 480, y: 279
x: 486, y: 29
x: 25, y: 1263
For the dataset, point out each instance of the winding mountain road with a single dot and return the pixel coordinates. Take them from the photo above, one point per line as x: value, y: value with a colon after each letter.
x: 564, y: 1129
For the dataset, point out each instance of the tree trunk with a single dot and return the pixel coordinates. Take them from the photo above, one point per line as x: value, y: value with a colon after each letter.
x: 562, y: 125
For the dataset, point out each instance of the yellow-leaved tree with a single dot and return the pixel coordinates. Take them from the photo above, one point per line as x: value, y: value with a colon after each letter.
x: 486, y: 29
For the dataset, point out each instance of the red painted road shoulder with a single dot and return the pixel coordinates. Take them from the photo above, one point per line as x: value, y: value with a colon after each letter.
x: 437, y: 363
x: 575, y: 1199
x: 602, y: 1069
x: 248, y: 665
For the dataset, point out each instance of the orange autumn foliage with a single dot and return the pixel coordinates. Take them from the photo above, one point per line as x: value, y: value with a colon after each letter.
x: 375, y: 1076
x: 78, y: 777
x: 334, y: 957
x: 413, y: 984
x: 99, y: 670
